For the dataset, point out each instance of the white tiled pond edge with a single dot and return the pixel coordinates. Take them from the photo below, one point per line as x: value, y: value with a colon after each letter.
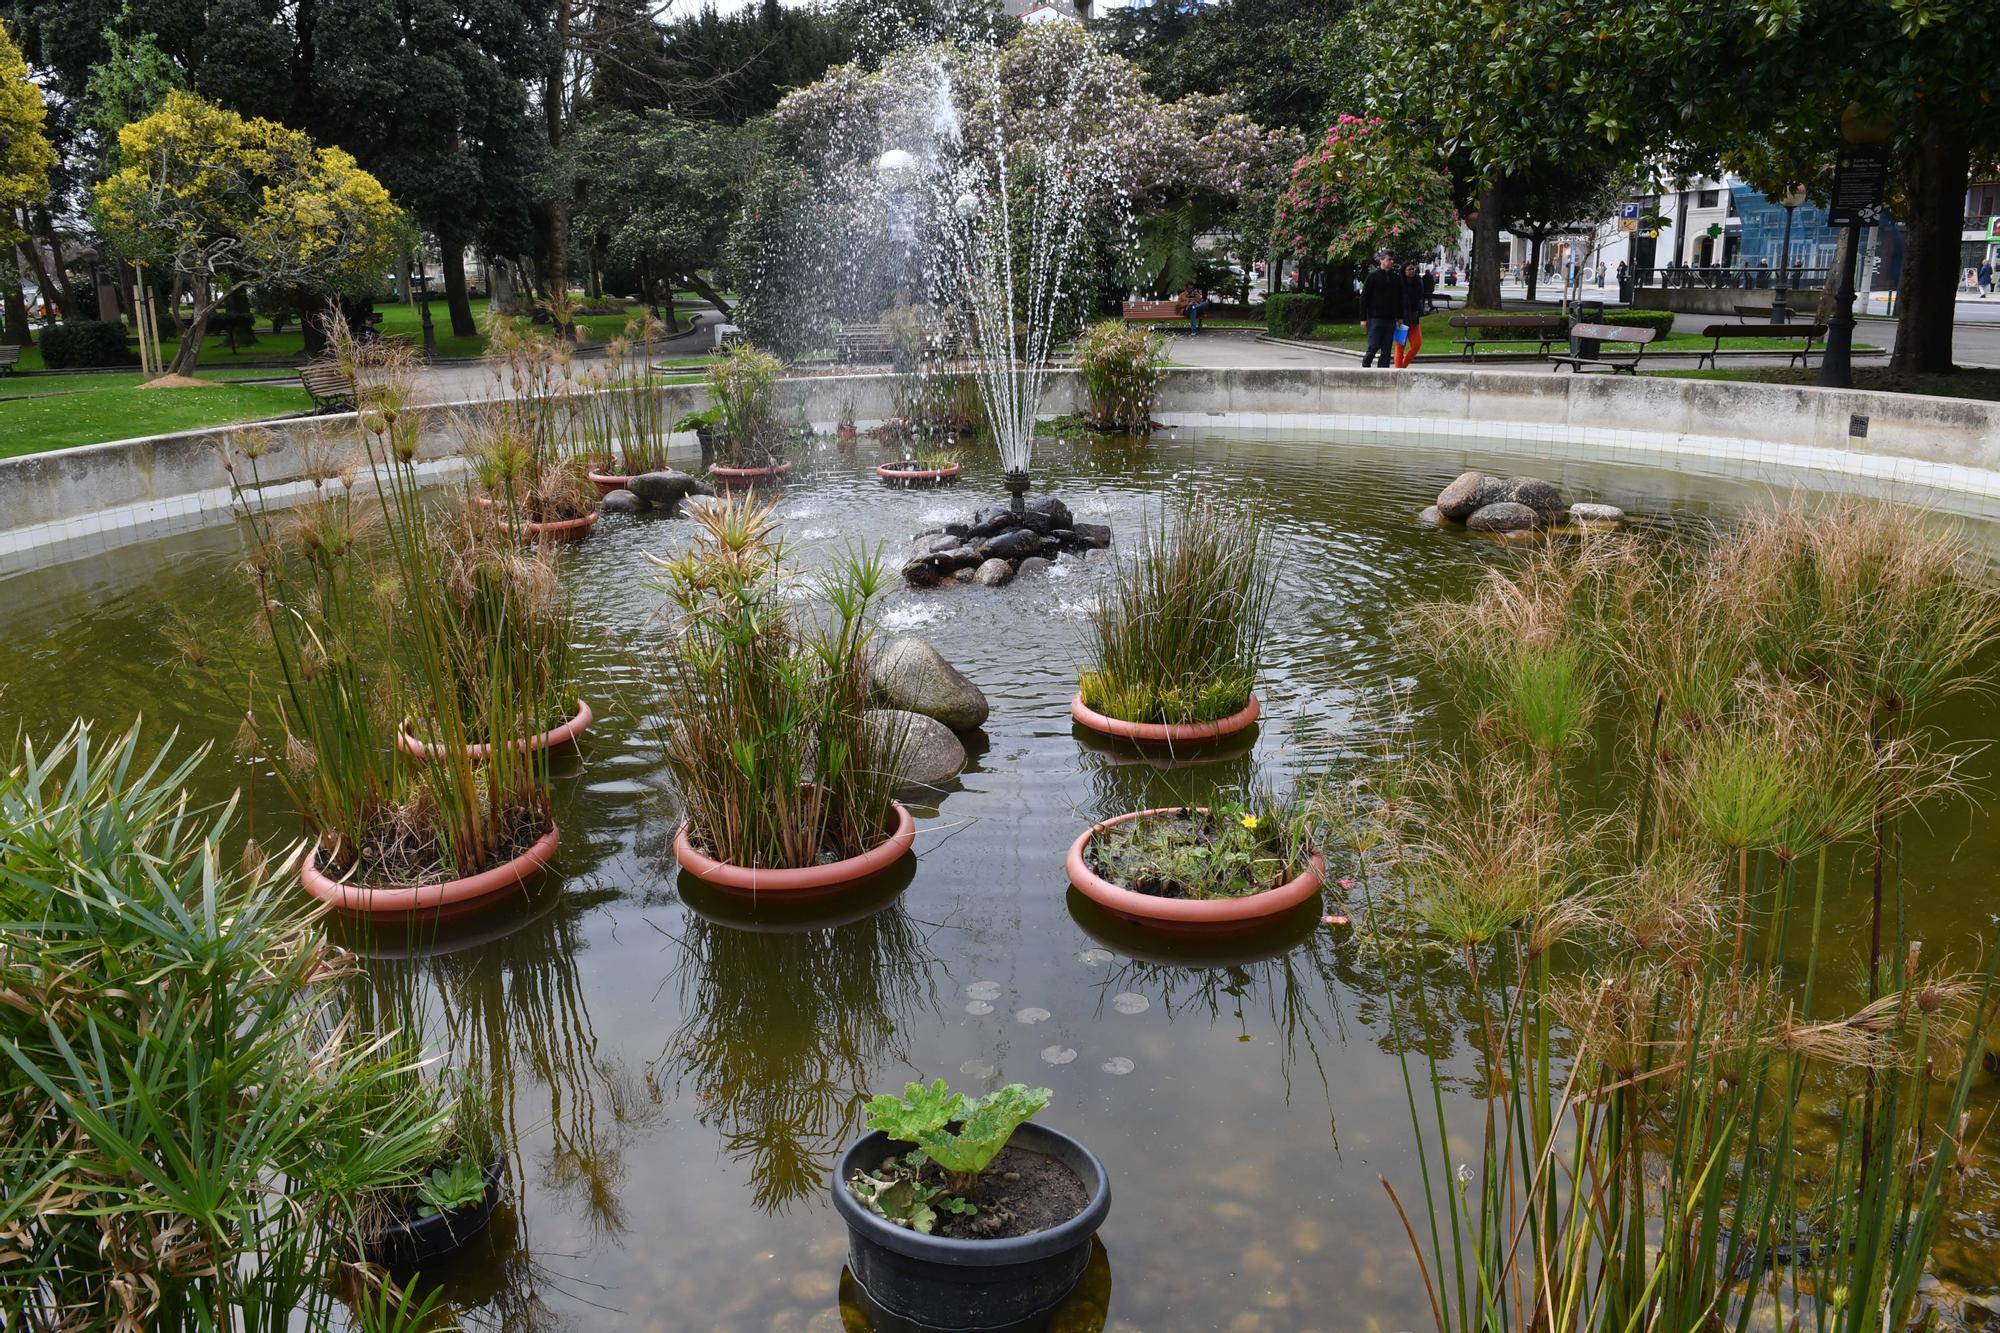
x: 1939, y: 452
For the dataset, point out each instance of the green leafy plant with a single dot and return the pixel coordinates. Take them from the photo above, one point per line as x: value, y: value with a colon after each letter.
x: 960, y: 1134
x: 1121, y: 366
x: 899, y: 1196
x: 1228, y: 850
x: 742, y: 381
x: 702, y: 420
x: 449, y: 1188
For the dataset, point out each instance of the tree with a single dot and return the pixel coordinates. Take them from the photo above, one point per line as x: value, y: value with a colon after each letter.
x: 26, y: 156
x: 1269, y: 57
x: 1554, y: 199
x: 226, y: 202
x: 1363, y: 189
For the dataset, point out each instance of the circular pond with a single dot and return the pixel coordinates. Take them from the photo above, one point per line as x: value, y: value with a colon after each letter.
x: 679, y: 1074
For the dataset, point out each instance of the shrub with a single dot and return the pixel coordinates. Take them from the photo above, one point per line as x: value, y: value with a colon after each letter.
x: 1660, y: 321
x: 742, y: 381
x: 1121, y: 368
x: 80, y: 344
x: 1291, y: 314
x: 1178, y: 632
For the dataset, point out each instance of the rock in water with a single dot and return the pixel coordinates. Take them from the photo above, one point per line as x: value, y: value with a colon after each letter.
x: 1095, y: 535
x: 1034, y: 564
x: 909, y: 674
x: 989, y: 521
x: 1058, y: 512
x: 1432, y: 516
x: 667, y: 489
x: 1011, y: 545
x: 622, y: 502
x: 1503, y: 517
x: 993, y: 574
x: 930, y: 755
x: 921, y: 573
x: 1457, y: 501
x: 1538, y: 495
x: 963, y: 574
x: 1589, y: 513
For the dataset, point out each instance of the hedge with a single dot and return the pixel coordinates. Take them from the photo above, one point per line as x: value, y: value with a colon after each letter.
x: 84, y: 343
x: 1291, y: 314
x: 1660, y: 321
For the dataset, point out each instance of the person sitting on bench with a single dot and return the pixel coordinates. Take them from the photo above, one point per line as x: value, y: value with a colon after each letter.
x: 1194, y: 300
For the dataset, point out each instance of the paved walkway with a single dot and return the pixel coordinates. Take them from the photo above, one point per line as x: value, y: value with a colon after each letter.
x: 472, y: 380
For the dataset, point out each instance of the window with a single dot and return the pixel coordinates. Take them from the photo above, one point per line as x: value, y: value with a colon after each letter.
x: 1706, y: 199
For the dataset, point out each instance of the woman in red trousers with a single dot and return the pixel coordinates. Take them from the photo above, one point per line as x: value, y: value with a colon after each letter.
x: 1413, y: 317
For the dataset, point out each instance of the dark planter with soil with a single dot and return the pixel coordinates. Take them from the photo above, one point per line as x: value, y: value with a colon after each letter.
x: 943, y: 1283
x: 420, y: 1242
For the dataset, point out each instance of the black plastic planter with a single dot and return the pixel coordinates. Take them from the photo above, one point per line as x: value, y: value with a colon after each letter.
x: 971, y: 1284
x: 419, y: 1242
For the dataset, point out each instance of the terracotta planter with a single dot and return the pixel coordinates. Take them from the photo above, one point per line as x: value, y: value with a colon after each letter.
x: 804, y: 879
x: 845, y: 434
x: 918, y: 476
x: 749, y: 475
x: 1165, y: 733
x: 566, y: 734
x: 446, y: 899
x: 567, y: 529
x: 606, y: 484
x: 1255, y: 909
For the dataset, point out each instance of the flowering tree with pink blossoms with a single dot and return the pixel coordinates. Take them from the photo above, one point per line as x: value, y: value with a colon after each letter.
x: 1361, y: 189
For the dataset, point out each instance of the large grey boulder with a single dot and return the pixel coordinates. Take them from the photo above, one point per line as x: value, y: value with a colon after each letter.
x: 993, y: 574
x: 667, y: 489
x: 1097, y: 536
x: 1015, y: 544
x: 1590, y: 513
x: 1541, y: 496
x: 930, y: 755
x: 622, y: 502
x: 909, y: 674
x: 1468, y: 492
x: 1503, y: 517
x: 1033, y: 565
x: 1057, y: 512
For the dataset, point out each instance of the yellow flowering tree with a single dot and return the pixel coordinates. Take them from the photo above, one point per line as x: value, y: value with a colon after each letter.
x: 227, y: 201
x: 25, y: 152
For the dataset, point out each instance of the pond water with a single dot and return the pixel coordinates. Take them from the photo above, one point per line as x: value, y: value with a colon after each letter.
x: 676, y: 1074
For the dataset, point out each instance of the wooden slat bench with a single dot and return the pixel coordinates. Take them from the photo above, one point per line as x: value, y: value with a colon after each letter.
x: 1542, y: 329
x: 1586, y: 347
x: 869, y: 343
x: 8, y: 356
x: 327, y: 385
x: 1153, y: 312
x: 1760, y: 313
x: 1808, y: 334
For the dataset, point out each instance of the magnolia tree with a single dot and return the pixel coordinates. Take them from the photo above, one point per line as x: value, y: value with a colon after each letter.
x: 226, y: 202
x: 1361, y: 190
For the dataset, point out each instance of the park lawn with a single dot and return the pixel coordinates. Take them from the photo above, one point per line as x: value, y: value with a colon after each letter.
x: 1966, y: 382
x: 63, y: 413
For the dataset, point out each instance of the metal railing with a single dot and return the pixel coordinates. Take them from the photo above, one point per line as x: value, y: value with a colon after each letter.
x: 1732, y: 279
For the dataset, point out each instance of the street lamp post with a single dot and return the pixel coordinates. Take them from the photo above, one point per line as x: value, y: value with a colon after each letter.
x: 424, y: 307
x: 1794, y: 196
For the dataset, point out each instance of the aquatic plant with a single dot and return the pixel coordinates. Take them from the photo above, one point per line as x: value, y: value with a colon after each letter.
x: 192, y: 1121
x: 1177, y: 633
x: 959, y: 1135
x: 1121, y: 366
x: 1229, y: 849
x: 743, y: 381
x: 622, y: 417
x: 763, y: 705
x: 1642, y: 1163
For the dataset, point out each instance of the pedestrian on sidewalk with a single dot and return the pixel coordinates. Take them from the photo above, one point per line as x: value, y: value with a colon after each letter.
x: 1412, y: 322
x: 1381, y: 310
x: 1985, y: 279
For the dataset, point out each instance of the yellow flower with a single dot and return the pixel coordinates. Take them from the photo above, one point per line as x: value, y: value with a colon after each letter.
x: 1250, y: 821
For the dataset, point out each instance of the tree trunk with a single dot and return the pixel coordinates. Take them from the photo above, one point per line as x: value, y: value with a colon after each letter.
x: 694, y: 283
x: 243, y: 327
x: 1927, y: 297
x: 1534, y: 264
x: 18, y: 333
x: 189, y: 351
x: 45, y: 229
x: 406, y: 286
x: 52, y: 298
x: 1483, y: 282
x: 451, y: 256
x: 555, y: 230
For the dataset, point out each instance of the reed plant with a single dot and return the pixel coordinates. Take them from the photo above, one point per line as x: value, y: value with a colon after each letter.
x: 1121, y: 366
x: 743, y: 383
x: 192, y: 1120
x: 1177, y: 633
x: 764, y: 697
x: 534, y: 439
x: 621, y: 418
x: 1647, y: 1009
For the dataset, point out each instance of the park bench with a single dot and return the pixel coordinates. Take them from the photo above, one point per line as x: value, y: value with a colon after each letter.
x: 1745, y: 313
x: 327, y: 385
x: 8, y: 356
x: 1542, y: 329
x: 1808, y: 334
x: 1436, y: 301
x: 1153, y: 312
x: 868, y: 343
x: 1586, y: 347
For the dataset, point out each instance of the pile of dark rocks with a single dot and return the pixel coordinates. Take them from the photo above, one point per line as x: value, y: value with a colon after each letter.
x: 997, y: 545
x: 1517, y: 504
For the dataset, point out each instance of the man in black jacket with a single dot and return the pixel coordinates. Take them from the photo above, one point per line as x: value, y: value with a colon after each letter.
x: 1381, y: 308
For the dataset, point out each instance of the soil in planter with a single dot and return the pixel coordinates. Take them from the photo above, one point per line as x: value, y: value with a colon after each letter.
x: 1187, y: 854
x: 1018, y: 1194
x: 407, y: 851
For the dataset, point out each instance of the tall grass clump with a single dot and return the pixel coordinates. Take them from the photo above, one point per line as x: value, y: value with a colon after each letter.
x: 743, y: 382
x: 395, y: 611
x: 532, y: 442
x: 622, y: 422
x: 764, y: 699
x: 1635, y: 1156
x: 1122, y: 366
x: 193, y: 1123
x: 1177, y: 633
